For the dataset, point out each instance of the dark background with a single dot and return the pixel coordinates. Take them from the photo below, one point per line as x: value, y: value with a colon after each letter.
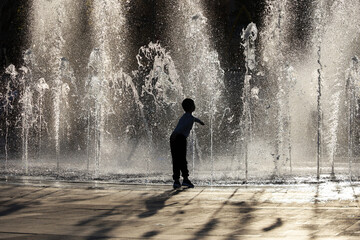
x: 226, y: 19
x: 13, y: 31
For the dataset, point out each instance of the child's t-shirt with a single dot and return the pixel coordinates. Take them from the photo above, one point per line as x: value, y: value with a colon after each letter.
x: 185, y: 124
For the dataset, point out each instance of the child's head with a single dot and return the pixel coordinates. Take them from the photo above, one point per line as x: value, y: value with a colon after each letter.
x: 188, y: 105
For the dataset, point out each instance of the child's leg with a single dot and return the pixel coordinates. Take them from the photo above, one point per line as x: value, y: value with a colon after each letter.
x: 174, y: 146
x: 184, y: 170
x: 183, y: 162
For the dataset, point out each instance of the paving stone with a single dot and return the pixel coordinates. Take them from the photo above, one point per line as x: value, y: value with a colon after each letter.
x: 92, y: 211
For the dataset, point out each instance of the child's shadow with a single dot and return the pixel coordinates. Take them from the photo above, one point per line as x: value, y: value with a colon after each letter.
x: 156, y: 203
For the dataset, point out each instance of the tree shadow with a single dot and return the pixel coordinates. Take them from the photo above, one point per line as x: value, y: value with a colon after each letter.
x: 213, y: 221
x: 80, y: 199
x: 156, y: 203
x: 104, y: 226
x: 19, y: 197
x: 207, y: 228
x: 181, y: 211
x: 101, y: 225
x: 150, y: 234
x: 246, y: 211
x: 17, y: 203
x: 10, y: 209
x: 97, y: 217
x: 277, y: 224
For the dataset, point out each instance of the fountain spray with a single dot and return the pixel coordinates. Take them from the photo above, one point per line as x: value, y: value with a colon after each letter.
x: 41, y: 88
x: 108, y: 27
x: 97, y: 98
x: 26, y: 114
x: 274, y: 55
x: 9, y: 96
x: 319, y: 15
x: 57, y: 106
x: 249, y: 36
x: 352, y: 96
x: 204, y: 76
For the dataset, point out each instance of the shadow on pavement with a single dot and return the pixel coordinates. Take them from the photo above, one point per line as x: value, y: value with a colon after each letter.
x: 102, y: 226
x: 247, y: 212
x: 17, y: 203
x: 277, y: 224
x: 213, y: 220
x: 156, y: 203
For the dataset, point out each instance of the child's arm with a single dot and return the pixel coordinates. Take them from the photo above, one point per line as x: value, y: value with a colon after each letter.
x: 199, y: 121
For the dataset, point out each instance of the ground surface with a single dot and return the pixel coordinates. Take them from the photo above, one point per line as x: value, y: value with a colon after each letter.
x: 63, y: 210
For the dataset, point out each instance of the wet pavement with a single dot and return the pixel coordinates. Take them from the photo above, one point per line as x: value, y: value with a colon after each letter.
x: 36, y: 209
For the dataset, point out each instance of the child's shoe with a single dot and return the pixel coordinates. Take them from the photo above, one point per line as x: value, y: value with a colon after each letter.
x: 176, y: 184
x: 187, y: 183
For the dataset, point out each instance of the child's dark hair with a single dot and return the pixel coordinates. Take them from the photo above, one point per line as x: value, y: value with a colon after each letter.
x: 188, y: 105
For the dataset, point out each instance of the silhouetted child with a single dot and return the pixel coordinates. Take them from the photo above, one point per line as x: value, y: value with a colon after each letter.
x: 178, y: 144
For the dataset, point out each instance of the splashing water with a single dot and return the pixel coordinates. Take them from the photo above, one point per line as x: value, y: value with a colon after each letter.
x: 78, y: 107
x: 60, y: 92
x: 161, y: 88
x: 27, y: 113
x: 98, y: 99
x: 276, y: 60
x: 204, y: 77
x: 6, y: 104
x: 41, y: 88
x: 352, y: 97
x: 331, y: 33
x: 249, y: 36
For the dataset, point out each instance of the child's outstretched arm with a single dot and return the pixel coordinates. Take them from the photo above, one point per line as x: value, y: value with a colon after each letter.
x: 199, y: 121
